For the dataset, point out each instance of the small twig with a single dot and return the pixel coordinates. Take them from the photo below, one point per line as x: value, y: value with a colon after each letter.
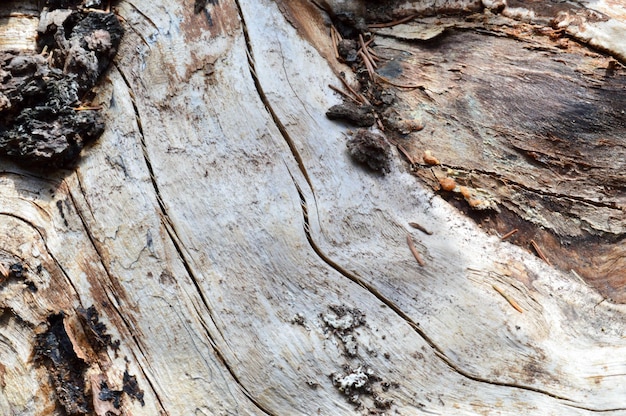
x: 345, y: 94
x: 510, y: 233
x: 337, y: 34
x: 514, y: 304
x: 374, y: 54
x: 375, y: 58
x: 379, y: 123
x: 402, y: 150
x: 394, y: 23
x: 539, y: 252
x: 334, y: 40
x: 356, y: 94
x: 579, y: 277
x: 86, y: 107
x: 405, y: 153
x: 414, y: 251
x: 368, y: 64
x: 369, y: 58
x: 365, y: 50
x: 421, y: 228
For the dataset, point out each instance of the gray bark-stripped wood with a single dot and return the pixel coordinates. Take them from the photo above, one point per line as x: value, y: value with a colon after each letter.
x: 248, y: 266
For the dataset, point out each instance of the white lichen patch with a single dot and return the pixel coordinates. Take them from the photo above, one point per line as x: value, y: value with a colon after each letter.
x: 336, y: 322
x: 355, y: 380
x: 343, y: 319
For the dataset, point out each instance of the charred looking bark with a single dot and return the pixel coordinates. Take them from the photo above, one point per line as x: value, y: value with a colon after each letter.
x: 55, y: 350
x: 43, y: 121
x: 75, y: 389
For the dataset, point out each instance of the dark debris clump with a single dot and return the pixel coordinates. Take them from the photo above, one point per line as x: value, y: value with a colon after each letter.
x: 109, y: 395
x: 131, y: 387
x: 361, y: 116
x: 370, y: 149
x: 43, y: 121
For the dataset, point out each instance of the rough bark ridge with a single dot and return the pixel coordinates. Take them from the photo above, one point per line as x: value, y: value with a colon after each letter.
x: 221, y: 232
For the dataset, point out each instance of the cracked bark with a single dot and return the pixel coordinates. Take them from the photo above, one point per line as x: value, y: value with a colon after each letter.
x: 247, y: 266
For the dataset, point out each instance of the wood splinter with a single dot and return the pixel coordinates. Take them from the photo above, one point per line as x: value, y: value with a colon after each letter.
x: 511, y: 301
x: 539, y: 252
x: 421, y: 228
x: 414, y: 251
x: 510, y: 233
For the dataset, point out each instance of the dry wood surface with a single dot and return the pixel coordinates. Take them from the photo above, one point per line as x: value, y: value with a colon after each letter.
x: 217, y: 251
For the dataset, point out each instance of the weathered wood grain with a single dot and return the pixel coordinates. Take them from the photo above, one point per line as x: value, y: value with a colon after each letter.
x: 358, y: 233
x: 248, y: 266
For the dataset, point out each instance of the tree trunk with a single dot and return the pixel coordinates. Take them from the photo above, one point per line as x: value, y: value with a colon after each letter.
x: 218, y: 251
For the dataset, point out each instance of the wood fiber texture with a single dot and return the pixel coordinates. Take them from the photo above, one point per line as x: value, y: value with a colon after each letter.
x: 218, y: 251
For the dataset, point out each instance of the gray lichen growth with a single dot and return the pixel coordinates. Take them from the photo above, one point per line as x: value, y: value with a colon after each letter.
x: 343, y: 318
x: 357, y: 380
x: 358, y: 383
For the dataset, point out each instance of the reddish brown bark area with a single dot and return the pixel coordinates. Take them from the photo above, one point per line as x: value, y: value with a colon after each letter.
x: 536, y: 125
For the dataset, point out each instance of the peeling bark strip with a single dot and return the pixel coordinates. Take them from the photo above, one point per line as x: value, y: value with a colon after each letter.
x: 43, y: 122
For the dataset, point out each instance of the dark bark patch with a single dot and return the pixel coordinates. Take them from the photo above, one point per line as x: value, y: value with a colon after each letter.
x: 108, y: 395
x: 97, y: 331
x: 131, y: 387
x: 539, y: 131
x: 59, y: 352
x: 54, y: 348
x: 16, y: 273
x: 44, y: 122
